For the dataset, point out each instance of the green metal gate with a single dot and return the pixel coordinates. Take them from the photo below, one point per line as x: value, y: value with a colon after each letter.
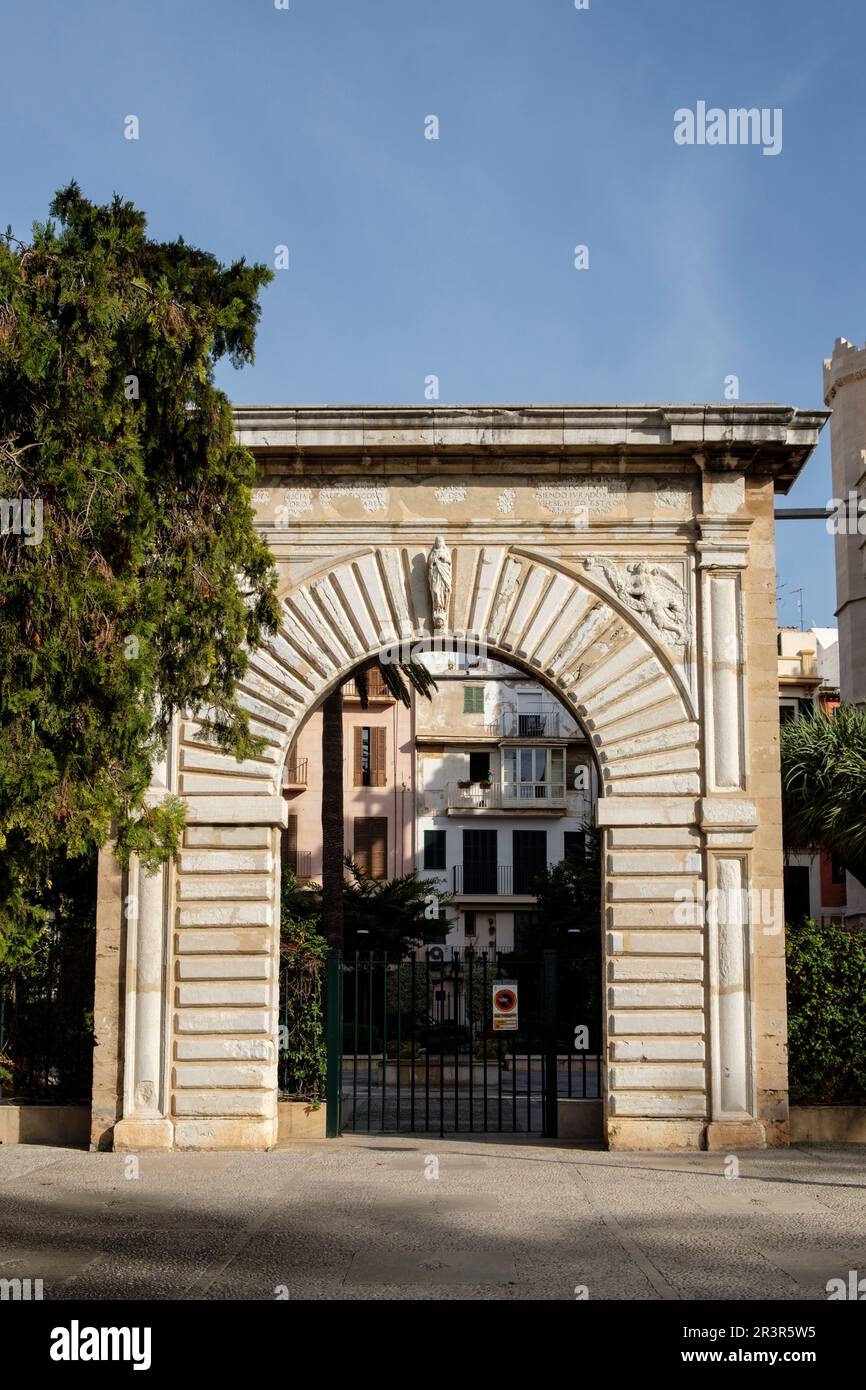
x: 412, y: 1045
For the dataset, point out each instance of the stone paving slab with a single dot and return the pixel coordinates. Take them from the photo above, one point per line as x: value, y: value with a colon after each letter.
x: 359, y: 1219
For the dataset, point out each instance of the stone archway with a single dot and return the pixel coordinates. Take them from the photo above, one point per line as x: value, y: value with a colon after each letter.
x: 639, y: 596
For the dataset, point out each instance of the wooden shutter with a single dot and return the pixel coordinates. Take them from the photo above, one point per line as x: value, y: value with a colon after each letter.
x: 473, y: 699
x: 358, y: 778
x: 289, y: 845
x: 371, y: 845
x: 378, y: 753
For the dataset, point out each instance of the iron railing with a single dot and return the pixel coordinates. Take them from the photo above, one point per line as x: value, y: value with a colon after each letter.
x: 299, y: 861
x: 540, y: 723
x: 413, y: 1045
x: 295, y: 774
x: 46, y: 1022
x: 496, y: 879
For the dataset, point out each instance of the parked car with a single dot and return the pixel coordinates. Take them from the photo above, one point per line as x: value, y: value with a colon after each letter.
x: 441, y: 1035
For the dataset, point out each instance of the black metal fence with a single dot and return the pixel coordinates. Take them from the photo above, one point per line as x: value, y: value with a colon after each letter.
x: 417, y: 1047
x: 46, y: 1021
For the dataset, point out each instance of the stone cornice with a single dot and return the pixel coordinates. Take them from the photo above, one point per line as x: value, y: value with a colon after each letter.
x: 771, y: 440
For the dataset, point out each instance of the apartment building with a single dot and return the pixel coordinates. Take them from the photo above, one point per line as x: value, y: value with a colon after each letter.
x: 505, y: 783
x: 378, y: 761
x: 815, y: 886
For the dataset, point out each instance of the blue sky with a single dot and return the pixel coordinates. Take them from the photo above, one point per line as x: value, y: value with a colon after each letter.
x: 454, y: 257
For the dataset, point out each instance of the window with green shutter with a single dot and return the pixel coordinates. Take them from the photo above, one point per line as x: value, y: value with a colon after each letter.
x: 473, y: 699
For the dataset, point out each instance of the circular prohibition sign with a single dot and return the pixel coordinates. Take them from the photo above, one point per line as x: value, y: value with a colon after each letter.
x: 505, y: 1001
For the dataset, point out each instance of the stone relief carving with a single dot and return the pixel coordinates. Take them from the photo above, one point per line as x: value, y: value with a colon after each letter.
x: 505, y: 501
x: 455, y: 492
x: 505, y: 592
x: 649, y: 590
x: 439, y: 579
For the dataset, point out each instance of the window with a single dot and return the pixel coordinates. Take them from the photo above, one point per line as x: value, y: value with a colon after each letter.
x: 289, y: 845
x: 370, y: 753
x: 530, y: 858
x: 434, y: 849
x: 534, y: 773
x: 479, y: 767
x: 469, y: 924
x: 575, y: 845
x: 371, y: 845
x: 797, y: 894
x: 837, y: 872
x: 479, y: 861
x: 473, y: 699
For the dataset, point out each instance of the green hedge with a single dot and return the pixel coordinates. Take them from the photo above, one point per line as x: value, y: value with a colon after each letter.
x: 826, y: 1015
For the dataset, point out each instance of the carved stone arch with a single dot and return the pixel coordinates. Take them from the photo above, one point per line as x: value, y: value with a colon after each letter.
x: 576, y: 638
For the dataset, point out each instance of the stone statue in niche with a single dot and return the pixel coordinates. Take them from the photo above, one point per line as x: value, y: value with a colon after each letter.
x: 439, y: 579
x: 649, y: 590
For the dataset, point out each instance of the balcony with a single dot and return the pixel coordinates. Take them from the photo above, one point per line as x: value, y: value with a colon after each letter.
x: 543, y: 722
x: 495, y: 880
x: 377, y: 690
x: 294, y: 776
x: 534, y: 798
x: 299, y: 861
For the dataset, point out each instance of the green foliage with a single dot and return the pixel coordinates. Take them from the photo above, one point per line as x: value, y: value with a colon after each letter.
x: 824, y: 785
x: 568, y: 909
x: 568, y: 919
x: 397, y: 677
x: 389, y: 915
x: 149, y: 579
x: 303, y: 952
x: 826, y: 1014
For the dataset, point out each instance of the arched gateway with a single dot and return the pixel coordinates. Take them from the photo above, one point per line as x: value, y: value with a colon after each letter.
x: 625, y: 557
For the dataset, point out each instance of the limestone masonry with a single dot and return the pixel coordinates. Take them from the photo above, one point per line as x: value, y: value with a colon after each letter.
x: 621, y: 555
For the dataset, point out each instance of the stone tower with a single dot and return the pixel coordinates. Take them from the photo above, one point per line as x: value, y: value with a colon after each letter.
x: 845, y: 392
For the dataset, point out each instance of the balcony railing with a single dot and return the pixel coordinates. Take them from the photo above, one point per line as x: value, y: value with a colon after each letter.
x: 496, y: 880
x: 474, y: 796
x: 299, y: 861
x: 540, y: 723
x: 512, y: 796
x: 295, y: 774
x: 533, y: 794
x: 376, y: 688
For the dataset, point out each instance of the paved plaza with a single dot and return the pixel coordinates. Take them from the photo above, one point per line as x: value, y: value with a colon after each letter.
x: 368, y: 1218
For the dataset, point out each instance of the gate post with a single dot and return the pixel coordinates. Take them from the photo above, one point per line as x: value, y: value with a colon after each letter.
x: 334, y: 1042
x: 548, y: 1025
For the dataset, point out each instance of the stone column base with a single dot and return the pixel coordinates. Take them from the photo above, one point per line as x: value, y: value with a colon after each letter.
x: 724, y: 1135
x: 133, y: 1134
x: 224, y: 1133
x: 645, y: 1135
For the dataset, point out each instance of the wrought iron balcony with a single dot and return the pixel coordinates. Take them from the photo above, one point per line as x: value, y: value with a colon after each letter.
x: 540, y: 723
x: 496, y: 880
